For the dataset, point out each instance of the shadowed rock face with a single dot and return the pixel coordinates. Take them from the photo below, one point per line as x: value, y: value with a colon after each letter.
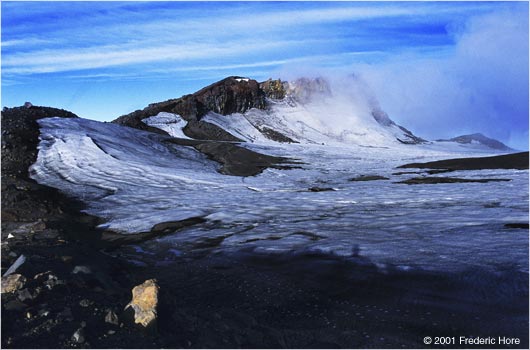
x: 228, y: 96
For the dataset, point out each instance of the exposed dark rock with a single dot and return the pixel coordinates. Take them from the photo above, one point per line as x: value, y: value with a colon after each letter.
x: 53, y: 281
x: 228, y: 96
x: 26, y: 294
x: 201, y: 130
x: 275, y: 89
x: 237, y: 160
x: 369, y: 178
x: 481, y: 139
x: 320, y: 189
x: 275, y: 135
x: 444, y: 180
x: 506, y: 161
x: 112, y: 318
x: 312, y: 236
x: 20, y: 136
x: 410, y: 138
x: 15, y: 305
x: 523, y: 225
x: 430, y: 172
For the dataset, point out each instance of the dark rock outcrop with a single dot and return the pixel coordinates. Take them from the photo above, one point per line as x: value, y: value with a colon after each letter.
x: 382, y: 118
x: 320, y: 189
x: 506, y: 161
x: 369, y: 178
x: 481, y: 139
x: 275, y: 89
x: 228, y: 96
x: 201, y: 130
x: 20, y: 136
x: 274, y: 135
x: 428, y: 180
x: 240, y: 161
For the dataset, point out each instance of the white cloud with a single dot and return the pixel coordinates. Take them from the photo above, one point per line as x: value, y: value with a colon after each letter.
x: 482, y: 86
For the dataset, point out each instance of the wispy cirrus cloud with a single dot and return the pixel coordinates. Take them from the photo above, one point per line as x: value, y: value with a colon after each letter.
x: 81, y: 36
x: 49, y: 61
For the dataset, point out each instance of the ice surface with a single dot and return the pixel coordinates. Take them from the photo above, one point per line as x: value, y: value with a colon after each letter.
x: 133, y: 181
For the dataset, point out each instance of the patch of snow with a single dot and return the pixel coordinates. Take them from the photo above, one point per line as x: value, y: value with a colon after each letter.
x: 169, y: 122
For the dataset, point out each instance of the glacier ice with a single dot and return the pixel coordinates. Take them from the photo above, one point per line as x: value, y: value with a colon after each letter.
x: 133, y: 181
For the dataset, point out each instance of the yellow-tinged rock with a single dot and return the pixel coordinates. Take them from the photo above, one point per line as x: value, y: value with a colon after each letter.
x: 13, y: 283
x: 144, y: 303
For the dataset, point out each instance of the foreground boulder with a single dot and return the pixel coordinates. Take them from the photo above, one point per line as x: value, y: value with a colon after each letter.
x: 13, y: 283
x: 144, y: 303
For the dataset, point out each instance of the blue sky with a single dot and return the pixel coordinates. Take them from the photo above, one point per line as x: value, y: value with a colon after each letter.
x: 440, y: 69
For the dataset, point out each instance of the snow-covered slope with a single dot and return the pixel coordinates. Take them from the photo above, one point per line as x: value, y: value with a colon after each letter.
x: 311, y: 111
x: 316, y: 112
x: 134, y: 181
x: 338, y: 111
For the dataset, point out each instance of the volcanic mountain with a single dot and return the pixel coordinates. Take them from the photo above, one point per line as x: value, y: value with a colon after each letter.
x: 302, y: 111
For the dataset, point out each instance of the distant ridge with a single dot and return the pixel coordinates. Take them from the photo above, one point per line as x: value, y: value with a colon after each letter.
x: 481, y: 139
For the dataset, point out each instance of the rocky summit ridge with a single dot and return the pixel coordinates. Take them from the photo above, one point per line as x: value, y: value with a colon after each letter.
x: 237, y: 95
